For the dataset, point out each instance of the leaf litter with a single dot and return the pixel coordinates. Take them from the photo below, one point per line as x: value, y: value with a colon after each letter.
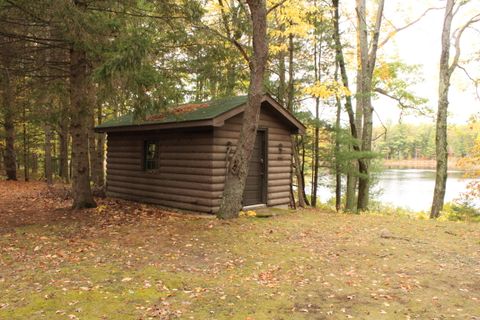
x: 145, y: 262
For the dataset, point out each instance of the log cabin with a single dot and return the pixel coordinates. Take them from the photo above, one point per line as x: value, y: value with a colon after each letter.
x: 178, y: 158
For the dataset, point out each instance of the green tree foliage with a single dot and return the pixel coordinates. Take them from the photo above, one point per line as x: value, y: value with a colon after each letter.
x: 143, y: 56
x: 417, y: 141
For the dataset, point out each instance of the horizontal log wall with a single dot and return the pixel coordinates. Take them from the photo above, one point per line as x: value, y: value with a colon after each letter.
x: 188, y: 174
x: 192, y: 164
x: 279, y: 152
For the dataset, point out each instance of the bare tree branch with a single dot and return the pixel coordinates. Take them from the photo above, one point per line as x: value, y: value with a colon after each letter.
x: 411, y: 23
x: 384, y: 133
x: 400, y: 101
x: 457, y: 35
x: 476, y: 82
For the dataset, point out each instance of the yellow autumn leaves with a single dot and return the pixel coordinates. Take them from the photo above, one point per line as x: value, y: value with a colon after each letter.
x: 291, y: 18
x: 249, y: 213
x: 327, y: 89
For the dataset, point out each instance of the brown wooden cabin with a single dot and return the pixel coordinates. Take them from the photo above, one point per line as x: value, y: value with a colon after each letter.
x: 178, y: 159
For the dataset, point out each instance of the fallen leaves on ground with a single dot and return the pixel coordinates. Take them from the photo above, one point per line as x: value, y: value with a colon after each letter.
x: 136, y: 261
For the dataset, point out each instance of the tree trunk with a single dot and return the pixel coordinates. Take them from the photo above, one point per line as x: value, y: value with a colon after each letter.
x: 48, y: 154
x: 213, y: 84
x: 350, y: 192
x: 302, y: 170
x: 351, y: 178
x: 302, y: 199
x: 26, y: 163
x: 281, y: 78
x: 237, y: 170
x: 63, y: 135
x: 1, y: 159
x: 231, y: 78
x: 92, y: 149
x: 97, y: 154
x: 100, y: 183
x: 338, y: 175
x: 367, y: 62
x: 303, y: 161
x: 82, y: 194
x: 9, y: 157
x: 317, y: 53
x: 361, y: 97
x: 282, y: 88
x: 298, y: 173
x: 364, y: 178
x: 34, y: 165
x: 441, y: 125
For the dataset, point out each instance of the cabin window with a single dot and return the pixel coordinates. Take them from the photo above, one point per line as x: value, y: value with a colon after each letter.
x: 150, y: 154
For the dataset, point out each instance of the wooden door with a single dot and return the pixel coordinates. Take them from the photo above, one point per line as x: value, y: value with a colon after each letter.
x: 255, y: 186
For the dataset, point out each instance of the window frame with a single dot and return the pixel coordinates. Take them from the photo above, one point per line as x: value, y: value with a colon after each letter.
x: 155, y: 160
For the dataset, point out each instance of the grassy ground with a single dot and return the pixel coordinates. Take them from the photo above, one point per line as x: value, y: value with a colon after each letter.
x: 129, y: 261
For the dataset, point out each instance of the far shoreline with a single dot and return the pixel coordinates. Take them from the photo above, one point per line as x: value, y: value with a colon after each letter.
x: 418, y: 164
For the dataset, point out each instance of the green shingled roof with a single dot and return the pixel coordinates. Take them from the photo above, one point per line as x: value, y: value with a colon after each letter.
x: 181, y: 113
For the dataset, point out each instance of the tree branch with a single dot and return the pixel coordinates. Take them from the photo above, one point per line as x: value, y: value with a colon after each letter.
x: 383, y: 125
x: 372, y: 55
x: 476, y: 82
x: 237, y: 44
x: 275, y: 6
x: 457, y: 36
x: 133, y: 14
x: 411, y: 23
x: 399, y: 100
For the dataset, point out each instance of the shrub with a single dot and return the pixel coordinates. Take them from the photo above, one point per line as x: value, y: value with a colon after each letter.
x: 453, y: 211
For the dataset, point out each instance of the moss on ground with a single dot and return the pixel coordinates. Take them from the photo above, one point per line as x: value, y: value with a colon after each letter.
x: 295, y: 265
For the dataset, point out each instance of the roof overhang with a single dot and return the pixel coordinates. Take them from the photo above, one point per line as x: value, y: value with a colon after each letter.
x: 157, y: 126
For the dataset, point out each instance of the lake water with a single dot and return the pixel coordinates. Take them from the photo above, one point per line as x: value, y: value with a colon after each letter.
x: 410, y: 188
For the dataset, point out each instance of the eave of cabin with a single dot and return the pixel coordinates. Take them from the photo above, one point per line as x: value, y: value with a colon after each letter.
x: 203, y: 114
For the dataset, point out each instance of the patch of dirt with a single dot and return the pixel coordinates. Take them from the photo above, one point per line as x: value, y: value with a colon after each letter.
x: 29, y: 203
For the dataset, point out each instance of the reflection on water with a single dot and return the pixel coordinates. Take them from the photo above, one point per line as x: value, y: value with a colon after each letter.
x: 411, y: 188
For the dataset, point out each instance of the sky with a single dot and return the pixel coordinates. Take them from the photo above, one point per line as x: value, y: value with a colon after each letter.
x: 420, y: 44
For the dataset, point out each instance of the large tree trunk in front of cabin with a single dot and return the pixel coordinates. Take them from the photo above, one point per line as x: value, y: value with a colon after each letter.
x: 441, y: 125
x: 48, y: 154
x: 9, y: 157
x: 237, y: 170
x: 80, y: 111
